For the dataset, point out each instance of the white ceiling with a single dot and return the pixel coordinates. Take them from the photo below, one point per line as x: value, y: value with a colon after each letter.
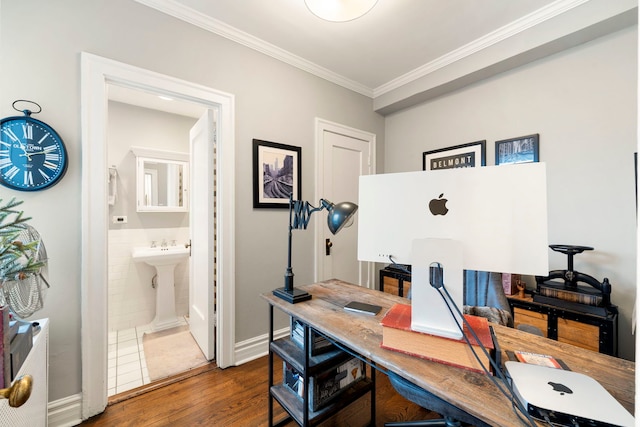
x: 393, y: 39
x: 398, y: 43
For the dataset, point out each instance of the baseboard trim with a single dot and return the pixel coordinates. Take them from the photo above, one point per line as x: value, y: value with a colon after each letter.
x: 256, y: 347
x: 65, y: 412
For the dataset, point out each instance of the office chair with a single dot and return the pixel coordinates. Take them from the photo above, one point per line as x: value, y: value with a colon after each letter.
x: 483, y: 296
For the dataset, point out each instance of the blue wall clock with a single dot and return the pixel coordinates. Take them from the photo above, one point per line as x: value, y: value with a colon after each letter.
x: 32, y: 154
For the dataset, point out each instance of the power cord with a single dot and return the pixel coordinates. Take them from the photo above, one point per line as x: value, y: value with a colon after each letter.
x: 515, y: 402
x: 398, y: 266
x: 436, y: 281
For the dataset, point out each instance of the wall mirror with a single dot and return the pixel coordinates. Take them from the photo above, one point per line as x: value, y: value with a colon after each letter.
x: 162, y: 178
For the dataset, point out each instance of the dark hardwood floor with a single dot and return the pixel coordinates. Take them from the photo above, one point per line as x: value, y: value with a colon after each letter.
x: 236, y: 396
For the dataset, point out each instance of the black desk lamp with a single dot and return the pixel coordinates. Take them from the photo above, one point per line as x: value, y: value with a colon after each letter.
x: 339, y: 216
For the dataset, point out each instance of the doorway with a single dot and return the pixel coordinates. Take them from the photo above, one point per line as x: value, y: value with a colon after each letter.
x: 343, y: 154
x: 147, y: 315
x: 97, y: 73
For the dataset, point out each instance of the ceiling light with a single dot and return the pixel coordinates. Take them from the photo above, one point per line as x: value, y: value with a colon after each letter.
x: 340, y: 10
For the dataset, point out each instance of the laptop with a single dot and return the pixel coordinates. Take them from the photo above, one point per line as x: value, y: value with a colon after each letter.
x: 566, y: 397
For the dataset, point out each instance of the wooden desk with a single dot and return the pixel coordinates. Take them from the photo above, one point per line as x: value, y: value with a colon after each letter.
x: 471, y: 392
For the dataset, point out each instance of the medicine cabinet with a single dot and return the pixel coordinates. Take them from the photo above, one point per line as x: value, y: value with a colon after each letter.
x: 162, y: 178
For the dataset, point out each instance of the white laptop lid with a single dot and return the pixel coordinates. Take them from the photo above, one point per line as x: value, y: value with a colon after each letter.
x: 566, y: 392
x: 498, y: 213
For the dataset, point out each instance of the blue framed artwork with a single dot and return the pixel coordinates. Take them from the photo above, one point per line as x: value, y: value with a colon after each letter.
x: 523, y: 149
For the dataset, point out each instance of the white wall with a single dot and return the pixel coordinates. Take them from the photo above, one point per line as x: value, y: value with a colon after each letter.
x: 129, y: 126
x: 273, y: 101
x: 582, y: 102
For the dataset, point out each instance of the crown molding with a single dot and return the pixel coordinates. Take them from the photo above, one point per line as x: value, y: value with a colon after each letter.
x: 516, y: 27
x: 187, y: 14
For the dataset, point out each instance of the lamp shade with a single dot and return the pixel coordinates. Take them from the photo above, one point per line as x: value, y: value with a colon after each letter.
x: 340, y: 215
x: 340, y: 10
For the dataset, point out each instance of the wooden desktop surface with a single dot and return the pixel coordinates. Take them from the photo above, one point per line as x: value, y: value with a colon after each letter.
x: 471, y: 392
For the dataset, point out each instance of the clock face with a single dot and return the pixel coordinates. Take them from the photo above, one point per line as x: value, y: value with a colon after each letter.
x: 32, y: 154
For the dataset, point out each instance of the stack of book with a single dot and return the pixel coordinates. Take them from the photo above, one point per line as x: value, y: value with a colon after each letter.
x: 327, y: 385
x: 579, y: 294
x: 539, y: 359
x: 397, y: 335
x: 317, y: 343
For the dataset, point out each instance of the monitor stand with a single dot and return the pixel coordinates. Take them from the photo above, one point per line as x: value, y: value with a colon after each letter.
x: 429, y: 313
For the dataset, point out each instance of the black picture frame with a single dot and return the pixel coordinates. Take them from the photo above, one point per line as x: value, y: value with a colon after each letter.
x: 276, y: 174
x: 523, y: 149
x: 467, y: 155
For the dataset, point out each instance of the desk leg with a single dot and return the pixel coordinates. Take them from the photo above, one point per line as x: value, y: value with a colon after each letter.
x: 307, y: 390
x: 373, y: 369
x: 270, y: 365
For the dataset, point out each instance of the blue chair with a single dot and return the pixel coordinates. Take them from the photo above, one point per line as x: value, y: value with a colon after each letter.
x: 483, y: 296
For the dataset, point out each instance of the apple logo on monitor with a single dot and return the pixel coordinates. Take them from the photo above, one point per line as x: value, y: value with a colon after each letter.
x: 438, y: 206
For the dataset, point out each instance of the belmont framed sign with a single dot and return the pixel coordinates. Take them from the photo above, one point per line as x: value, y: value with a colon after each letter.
x: 459, y: 156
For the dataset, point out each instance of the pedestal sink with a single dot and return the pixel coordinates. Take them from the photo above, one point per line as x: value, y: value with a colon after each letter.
x: 164, y: 259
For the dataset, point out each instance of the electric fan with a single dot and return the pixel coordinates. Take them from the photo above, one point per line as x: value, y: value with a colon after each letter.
x: 24, y: 294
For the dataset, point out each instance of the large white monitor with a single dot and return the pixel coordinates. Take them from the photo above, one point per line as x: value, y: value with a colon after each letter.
x: 498, y: 213
x: 485, y: 218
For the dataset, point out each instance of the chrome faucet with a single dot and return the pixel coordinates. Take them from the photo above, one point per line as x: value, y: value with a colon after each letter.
x: 153, y: 243
x: 164, y: 243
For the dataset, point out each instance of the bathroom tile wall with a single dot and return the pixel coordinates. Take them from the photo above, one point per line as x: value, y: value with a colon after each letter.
x: 131, y: 299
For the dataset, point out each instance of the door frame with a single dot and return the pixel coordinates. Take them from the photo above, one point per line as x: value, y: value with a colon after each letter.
x: 96, y: 74
x: 322, y: 126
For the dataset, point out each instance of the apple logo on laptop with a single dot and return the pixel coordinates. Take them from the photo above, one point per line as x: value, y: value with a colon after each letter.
x: 438, y: 206
x: 560, y: 388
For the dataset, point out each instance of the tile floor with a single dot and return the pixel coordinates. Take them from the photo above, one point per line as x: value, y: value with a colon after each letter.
x: 127, y: 367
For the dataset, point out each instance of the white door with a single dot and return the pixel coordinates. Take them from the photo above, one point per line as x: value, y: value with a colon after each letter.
x: 345, y: 154
x: 202, y: 226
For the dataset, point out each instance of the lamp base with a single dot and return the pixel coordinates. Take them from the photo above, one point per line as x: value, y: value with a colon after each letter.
x: 294, y: 296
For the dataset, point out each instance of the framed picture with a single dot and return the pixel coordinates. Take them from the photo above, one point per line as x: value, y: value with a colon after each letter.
x: 523, y: 149
x: 459, y: 156
x: 276, y: 174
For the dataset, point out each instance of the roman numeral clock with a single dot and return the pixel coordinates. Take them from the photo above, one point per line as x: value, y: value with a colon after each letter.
x: 32, y: 154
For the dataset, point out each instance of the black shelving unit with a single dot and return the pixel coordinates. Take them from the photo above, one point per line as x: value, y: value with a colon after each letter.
x: 301, y: 360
